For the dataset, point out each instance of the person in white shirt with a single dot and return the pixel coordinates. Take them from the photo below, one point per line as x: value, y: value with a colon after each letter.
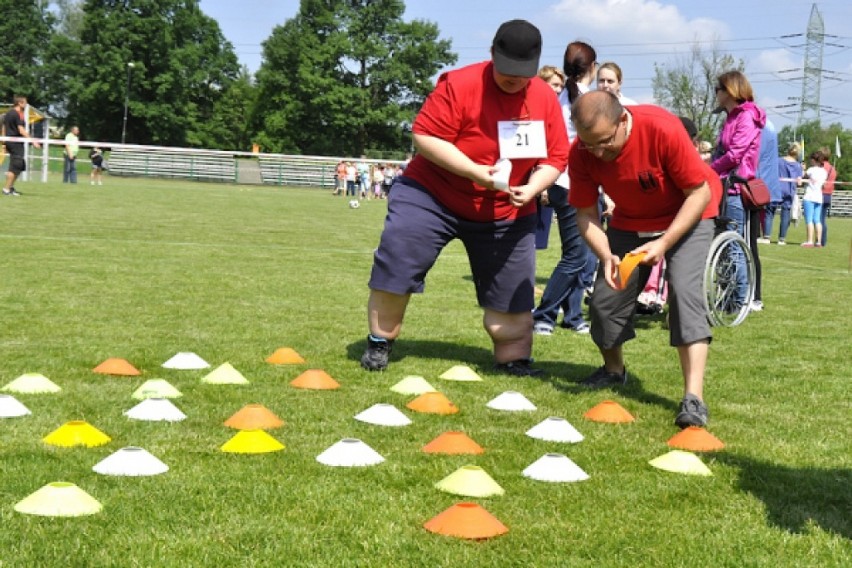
x: 812, y: 200
x: 610, y: 79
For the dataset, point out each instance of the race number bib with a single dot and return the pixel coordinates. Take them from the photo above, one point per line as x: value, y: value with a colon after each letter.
x: 522, y: 139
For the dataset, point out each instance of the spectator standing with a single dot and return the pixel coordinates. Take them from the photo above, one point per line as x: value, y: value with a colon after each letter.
x: 827, y: 192
x: 14, y: 126
x: 574, y: 271
x: 474, y: 117
x: 610, y: 79
x: 554, y: 77
x: 340, y: 178
x: 789, y: 168
x: 97, y: 158
x: 665, y: 200
x: 72, y: 148
x: 812, y: 200
x: 351, y: 180
x: 767, y: 170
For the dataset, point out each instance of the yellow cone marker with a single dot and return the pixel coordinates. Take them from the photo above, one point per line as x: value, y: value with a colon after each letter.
x: 76, y: 433
x: 461, y: 373
x: 470, y: 481
x: 252, y: 442
x: 678, y: 461
x: 59, y: 499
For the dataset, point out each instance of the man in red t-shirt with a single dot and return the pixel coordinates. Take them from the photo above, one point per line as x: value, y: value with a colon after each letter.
x: 498, y: 110
x: 665, y: 200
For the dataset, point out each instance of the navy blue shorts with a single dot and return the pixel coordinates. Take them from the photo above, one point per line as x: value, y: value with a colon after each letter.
x: 417, y: 228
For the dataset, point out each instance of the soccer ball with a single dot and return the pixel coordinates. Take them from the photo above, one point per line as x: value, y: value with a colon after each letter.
x: 354, y: 204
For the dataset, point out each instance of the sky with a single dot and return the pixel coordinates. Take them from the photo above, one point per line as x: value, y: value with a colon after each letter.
x: 769, y: 35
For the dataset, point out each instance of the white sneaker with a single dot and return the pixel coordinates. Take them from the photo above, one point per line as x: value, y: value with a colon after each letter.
x: 542, y: 328
x: 763, y: 240
x: 781, y: 243
x: 756, y: 306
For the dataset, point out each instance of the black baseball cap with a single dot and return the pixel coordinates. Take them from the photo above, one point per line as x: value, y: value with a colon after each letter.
x: 516, y: 49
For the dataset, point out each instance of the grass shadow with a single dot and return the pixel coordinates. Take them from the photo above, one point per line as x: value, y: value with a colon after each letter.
x: 793, y: 496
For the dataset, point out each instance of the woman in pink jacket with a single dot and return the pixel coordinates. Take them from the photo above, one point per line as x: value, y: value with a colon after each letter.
x: 737, y: 153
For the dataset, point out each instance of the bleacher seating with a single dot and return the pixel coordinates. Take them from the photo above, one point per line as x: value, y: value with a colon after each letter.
x: 172, y: 164
x: 298, y: 171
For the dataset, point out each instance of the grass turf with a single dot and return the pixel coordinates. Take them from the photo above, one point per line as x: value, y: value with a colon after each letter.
x: 142, y: 269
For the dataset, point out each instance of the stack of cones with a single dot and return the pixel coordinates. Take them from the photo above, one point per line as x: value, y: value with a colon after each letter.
x: 678, y: 461
x: 254, y: 417
x: 412, y: 385
x: 59, y: 499
x: 383, y: 415
x: 186, y: 361
x: 225, y: 374
x: 315, y: 379
x: 252, y: 442
x: 11, y: 407
x: 609, y: 411
x: 461, y: 373
x: 555, y: 468
x: 76, y: 433
x: 555, y: 429
x: 696, y: 439
x: 466, y: 520
x: 470, y: 481
x: 32, y: 383
x: 118, y: 367
x: 156, y: 388
x: 453, y: 443
x: 285, y: 356
x: 432, y: 403
x: 130, y: 461
x: 156, y: 410
x: 350, y: 452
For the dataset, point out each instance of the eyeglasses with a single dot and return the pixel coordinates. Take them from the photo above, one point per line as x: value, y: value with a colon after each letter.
x: 603, y: 144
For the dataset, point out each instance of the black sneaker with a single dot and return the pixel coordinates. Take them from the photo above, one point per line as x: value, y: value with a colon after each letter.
x: 603, y: 378
x: 518, y: 368
x: 693, y: 412
x: 11, y: 191
x: 375, y: 358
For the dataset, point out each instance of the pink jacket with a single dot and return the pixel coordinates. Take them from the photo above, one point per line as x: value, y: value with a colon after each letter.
x: 740, y: 141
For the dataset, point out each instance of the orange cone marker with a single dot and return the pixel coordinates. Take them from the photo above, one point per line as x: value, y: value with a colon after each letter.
x: 609, y: 411
x: 315, y: 379
x: 453, y: 443
x: 115, y: 366
x: 432, y: 403
x: 696, y: 439
x: 466, y: 520
x: 254, y: 417
x: 285, y: 356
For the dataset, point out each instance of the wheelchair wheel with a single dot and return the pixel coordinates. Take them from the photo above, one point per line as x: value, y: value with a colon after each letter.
x: 729, y: 280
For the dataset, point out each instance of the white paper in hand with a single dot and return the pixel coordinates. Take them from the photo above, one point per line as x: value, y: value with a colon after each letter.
x: 501, y: 176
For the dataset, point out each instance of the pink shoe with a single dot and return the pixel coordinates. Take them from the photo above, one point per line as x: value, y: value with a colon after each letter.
x: 808, y: 245
x: 818, y: 245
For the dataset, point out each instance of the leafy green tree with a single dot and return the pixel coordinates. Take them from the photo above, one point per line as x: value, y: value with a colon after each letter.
x: 25, y: 28
x: 345, y: 75
x: 165, y: 57
x: 686, y: 87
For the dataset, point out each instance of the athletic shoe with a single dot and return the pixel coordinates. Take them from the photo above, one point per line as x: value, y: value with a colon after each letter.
x: 518, y: 368
x: 808, y: 245
x: 693, y: 412
x: 763, y: 240
x: 11, y: 191
x: 602, y: 378
x: 756, y: 306
x: 542, y: 328
x: 781, y: 242
x: 582, y: 329
x: 818, y: 245
x: 375, y: 358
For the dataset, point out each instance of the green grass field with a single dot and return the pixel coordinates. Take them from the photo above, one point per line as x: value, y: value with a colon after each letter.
x: 143, y: 269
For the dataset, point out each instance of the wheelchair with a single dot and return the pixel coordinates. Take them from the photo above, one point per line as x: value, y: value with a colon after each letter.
x: 729, y: 271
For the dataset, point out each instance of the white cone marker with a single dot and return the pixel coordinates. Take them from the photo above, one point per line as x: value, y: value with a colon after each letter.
x: 350, y: 452
x: 11, y: 407
x: 555, y: 429
x: 555, y: 468
x: 511, y: 401
x: 383, y: 415
x: 130, y: 461
x: 156, y: 410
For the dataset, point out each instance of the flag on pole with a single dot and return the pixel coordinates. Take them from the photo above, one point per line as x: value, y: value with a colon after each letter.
x: 837, y: 147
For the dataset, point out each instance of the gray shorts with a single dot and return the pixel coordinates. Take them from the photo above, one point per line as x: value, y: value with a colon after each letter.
x: 417, y: 228
x: 611, y: 311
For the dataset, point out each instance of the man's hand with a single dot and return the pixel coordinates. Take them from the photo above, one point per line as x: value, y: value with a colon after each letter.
x: 654, y: 251
x: 521, y: 195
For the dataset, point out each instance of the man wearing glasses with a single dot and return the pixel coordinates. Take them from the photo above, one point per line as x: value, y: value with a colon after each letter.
x: 665, y: 200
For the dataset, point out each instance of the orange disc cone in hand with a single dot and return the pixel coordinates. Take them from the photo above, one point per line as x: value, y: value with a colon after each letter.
x: 254, y: 417
x: 432, y: 403
x: 626, y: 267
x: 609, y: 411
x: 466, y: 520
x: 696, y: 439
x: 285, y: 356
x: 453, y: 443
x: 315, y: 379
x: 115, y: 366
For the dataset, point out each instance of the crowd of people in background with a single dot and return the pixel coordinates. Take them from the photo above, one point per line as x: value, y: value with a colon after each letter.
x: 359, y: 179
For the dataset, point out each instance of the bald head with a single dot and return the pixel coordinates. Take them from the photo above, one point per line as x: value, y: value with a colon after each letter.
x: 592, y: 107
